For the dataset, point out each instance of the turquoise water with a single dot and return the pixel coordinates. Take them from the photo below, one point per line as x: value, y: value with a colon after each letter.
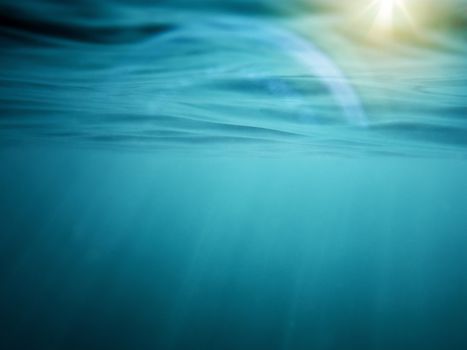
x: 231, y: 175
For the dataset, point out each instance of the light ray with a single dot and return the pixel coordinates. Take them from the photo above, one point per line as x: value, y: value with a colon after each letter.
x: 387, y: 12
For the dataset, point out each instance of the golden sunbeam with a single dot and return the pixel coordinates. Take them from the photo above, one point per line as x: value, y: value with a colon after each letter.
x: 389, y: 14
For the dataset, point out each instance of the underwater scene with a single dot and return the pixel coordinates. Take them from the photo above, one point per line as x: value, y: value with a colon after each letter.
x: 233, y: 174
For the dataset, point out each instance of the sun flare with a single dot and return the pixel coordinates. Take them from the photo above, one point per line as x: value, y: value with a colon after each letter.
x: 389, y: 13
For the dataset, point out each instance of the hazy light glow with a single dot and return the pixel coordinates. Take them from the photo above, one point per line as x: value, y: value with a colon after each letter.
x: 389, y: 12
x: 386, y: 12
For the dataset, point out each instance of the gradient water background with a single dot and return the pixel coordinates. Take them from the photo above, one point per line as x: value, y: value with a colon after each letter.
x: 231, y: 175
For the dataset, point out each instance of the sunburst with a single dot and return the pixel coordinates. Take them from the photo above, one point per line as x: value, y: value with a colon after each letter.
x: 388, y: 13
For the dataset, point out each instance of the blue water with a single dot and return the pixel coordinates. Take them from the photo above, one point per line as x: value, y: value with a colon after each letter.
x: 197, y: 175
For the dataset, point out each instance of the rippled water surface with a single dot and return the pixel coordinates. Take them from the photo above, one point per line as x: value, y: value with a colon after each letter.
x: 232, y: 175
x: 181, y: 77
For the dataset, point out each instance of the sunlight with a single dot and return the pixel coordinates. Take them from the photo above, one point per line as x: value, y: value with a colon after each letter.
x: 389, y: 13
x: 385, y: 12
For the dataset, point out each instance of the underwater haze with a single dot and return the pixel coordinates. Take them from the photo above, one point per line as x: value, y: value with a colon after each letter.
x: 233, y: 175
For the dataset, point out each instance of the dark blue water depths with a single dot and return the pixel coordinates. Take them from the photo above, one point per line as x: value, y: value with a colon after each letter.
x: 197, y: 175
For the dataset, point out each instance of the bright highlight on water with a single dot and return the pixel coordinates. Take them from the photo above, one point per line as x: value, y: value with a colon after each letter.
x: 389, y: 15
x: 387, y: 10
